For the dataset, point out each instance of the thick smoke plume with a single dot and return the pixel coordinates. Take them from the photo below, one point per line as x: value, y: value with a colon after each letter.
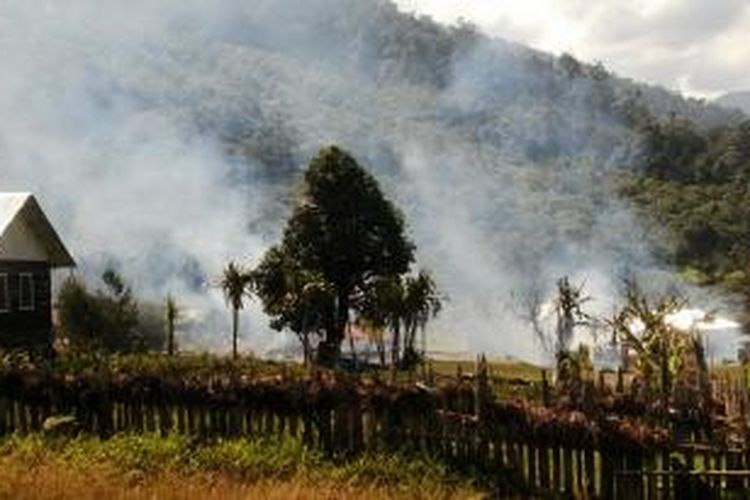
x: 164, y: 137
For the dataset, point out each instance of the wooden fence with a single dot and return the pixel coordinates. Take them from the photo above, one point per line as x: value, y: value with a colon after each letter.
x: 529, y: 451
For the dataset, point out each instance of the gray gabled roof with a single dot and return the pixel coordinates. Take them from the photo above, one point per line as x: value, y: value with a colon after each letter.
x: 22, y: 208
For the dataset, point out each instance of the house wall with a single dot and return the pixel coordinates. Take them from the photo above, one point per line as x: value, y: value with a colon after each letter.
x: 18, y: 242
x: 22, y: 329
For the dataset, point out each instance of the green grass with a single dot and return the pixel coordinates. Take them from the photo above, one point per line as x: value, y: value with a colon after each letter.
x: 503, y: 369
x: 244, y: 459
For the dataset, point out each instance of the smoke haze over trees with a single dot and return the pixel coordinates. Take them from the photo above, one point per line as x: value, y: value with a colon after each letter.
x: 168, y: 137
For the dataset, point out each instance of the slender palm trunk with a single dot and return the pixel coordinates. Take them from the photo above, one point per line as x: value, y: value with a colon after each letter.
x: 305, y: 340
x: 395, y: 347
x: 235, y: 326
x: 380, y: 343
x: 411, y: 338
x: 351, y: 345
x: 170, y: 337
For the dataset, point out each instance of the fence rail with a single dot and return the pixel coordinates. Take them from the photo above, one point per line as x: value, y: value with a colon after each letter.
x: 529, y: 451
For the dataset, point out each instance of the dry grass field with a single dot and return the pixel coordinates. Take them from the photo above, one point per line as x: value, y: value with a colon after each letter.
x: 172, y: 468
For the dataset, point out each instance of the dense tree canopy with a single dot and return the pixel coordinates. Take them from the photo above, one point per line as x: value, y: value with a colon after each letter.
x: 343, y: 235
x: 695, y: 183
x: 103, y: 320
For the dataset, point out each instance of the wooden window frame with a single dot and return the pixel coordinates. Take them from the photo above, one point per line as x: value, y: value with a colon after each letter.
x: 31, y: 305
x: 5, y: 308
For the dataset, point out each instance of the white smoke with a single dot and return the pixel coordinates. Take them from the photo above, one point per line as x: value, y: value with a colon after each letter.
x: 115, y: 115
x: 125, y: 182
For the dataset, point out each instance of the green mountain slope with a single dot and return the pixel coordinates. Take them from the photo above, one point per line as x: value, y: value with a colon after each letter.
x: 194, y: 122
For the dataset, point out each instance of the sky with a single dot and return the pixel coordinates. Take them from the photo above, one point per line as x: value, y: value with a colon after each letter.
x: 699, y: 47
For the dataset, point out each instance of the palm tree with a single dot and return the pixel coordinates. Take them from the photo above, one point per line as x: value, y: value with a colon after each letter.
x: 421, y: 302
x: 391, y: 296
x: 235, y: 283
x: 381, y: 309
x: 172, y: 312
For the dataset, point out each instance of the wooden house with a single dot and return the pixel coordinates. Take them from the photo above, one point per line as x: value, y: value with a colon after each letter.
x: 29, y: 249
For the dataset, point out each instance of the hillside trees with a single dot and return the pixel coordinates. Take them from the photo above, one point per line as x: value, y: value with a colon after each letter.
x: 102, y: 320
x: 695, y: 183
x: 343, y: 236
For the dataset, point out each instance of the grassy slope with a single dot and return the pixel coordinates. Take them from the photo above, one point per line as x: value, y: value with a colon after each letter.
x: 35, y: 467
x: 504, y: 369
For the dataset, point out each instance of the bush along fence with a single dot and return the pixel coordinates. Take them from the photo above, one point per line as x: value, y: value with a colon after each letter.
x: 528, y: 449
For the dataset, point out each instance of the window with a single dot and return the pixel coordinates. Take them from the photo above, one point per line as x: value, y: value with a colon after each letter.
x: 4, y: 295
x: 26, y: 292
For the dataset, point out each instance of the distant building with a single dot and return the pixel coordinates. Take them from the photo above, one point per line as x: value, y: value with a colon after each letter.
x: 29, y: 249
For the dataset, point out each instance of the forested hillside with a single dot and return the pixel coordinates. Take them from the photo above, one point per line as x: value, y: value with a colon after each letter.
x: 698, y: 185
x: 504, y: 157
x: 509, y: 162
x: 738, y: 100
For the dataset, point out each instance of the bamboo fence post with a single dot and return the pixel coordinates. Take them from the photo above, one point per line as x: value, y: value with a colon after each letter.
x: 589, y: 470
x: 580, y: 471
x: 531, y: 461
x: 268, y: 421
x: 12, y: 422
x: 652, y: 479
x: 497, y: 449
x: 544, y: 459
x: 515, y: 455
x: 234, y: 420
x: 307, y: 427
x: 557, y: 486
x: 622, y: 480
x: 106, y: 414
x: 293, y: 418
x: 341, y: 428
x: 23, y: 421
x: 666, y: 465
x: 190, y: 413
x: 213, y: 419
x: 356, y: 416
x: 281, y: 421
x: 545, y: 389
x: 248, y: 413
x: 179, y: 408
x: 149, y: 413
x: 607, y: 473
x: 34, y: 423
x: 202, y: 419
x: 433, y: 431
x: 706, y: 459
x: 481, y: 409
x: 3, y: 415
x: 324, y: 427
x: 734, y: 461
x: 637, y: 465
x: 126, y: 415
x: 165, y: 418
x: 139, y: 416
